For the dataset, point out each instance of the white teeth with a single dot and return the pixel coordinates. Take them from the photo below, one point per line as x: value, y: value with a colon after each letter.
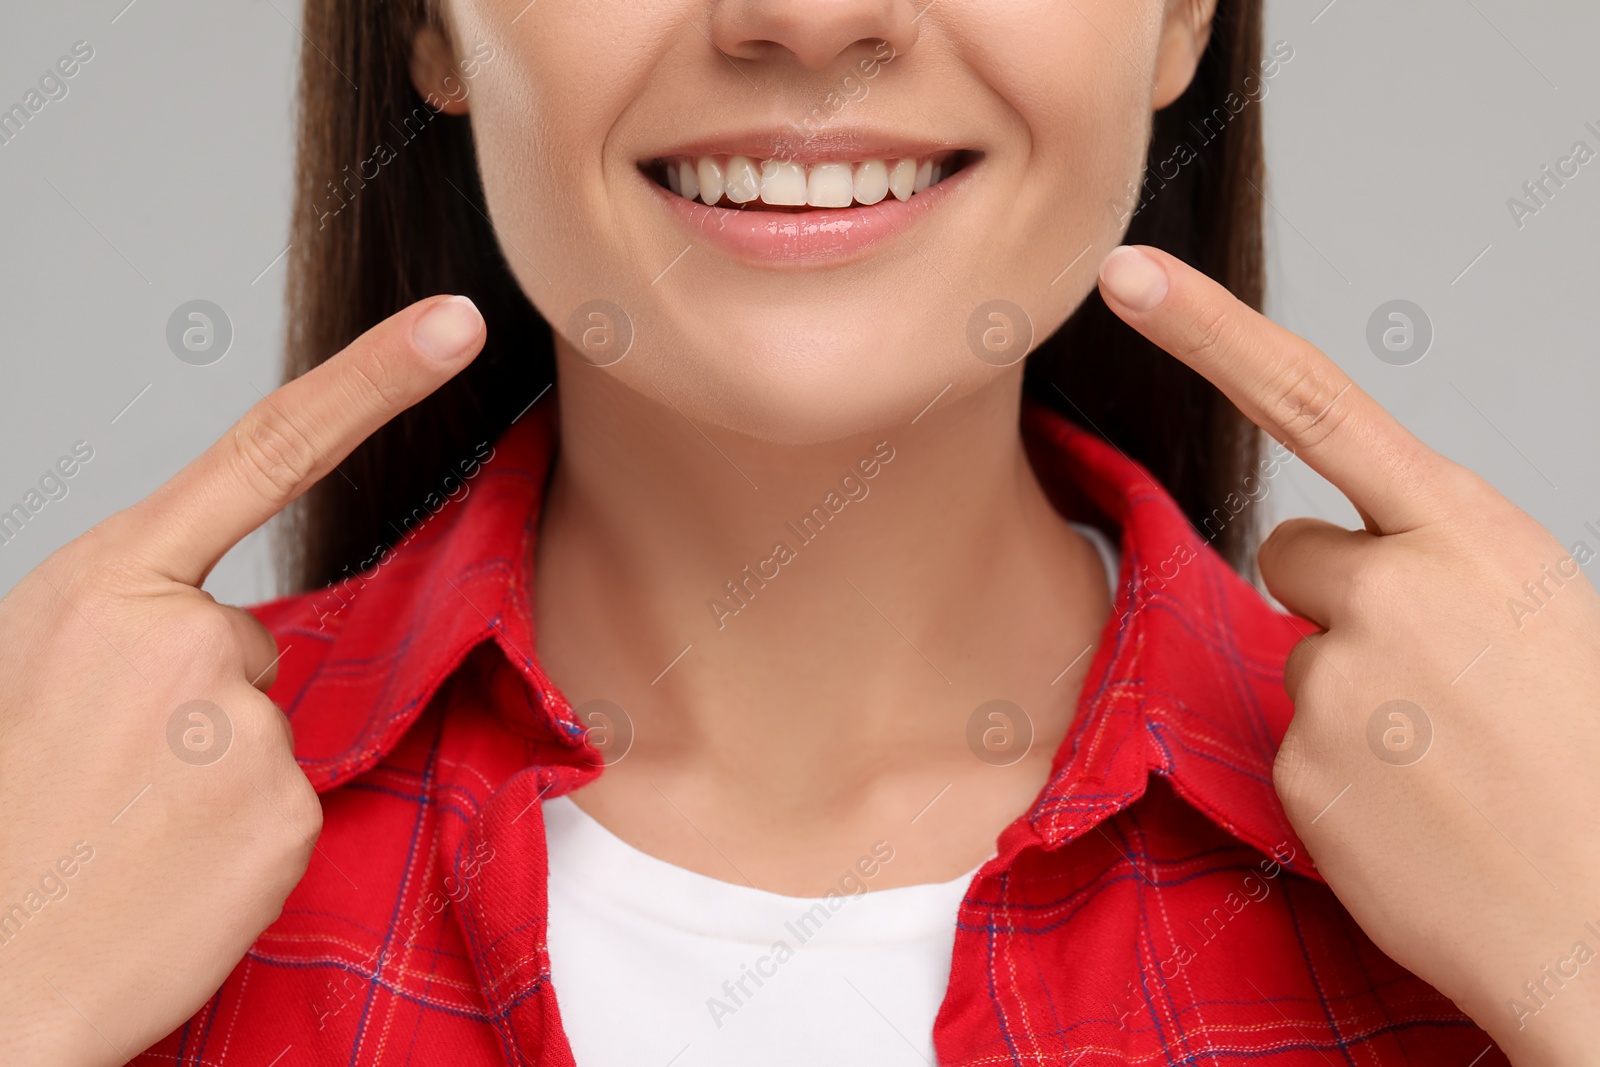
x: 743, y: 181
x: 783, y: 184
x: 786, y: 183
x: 710, y: 175
x: 830, y: 185
x: 871, y: 182
x: 902, y: 179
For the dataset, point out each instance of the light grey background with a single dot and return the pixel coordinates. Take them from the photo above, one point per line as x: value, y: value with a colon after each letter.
x: 1395, y: 136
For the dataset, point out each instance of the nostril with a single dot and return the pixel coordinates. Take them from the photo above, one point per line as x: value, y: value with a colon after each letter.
x: 817, y: 34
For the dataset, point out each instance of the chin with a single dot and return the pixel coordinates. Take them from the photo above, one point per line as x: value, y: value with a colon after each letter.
x: 809, y: 378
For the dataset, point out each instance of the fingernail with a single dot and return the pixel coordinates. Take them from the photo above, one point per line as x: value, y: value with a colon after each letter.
x: 1134, y: 278
x: 448, y: 330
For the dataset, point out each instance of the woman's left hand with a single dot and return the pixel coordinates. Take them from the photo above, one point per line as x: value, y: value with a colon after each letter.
x: 1443, y: 763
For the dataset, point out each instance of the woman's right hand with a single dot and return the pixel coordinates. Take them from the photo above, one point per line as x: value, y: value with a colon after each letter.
x: 154, y: 818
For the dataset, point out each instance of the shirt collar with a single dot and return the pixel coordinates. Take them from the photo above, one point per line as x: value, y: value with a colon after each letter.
x: 1186, y: 682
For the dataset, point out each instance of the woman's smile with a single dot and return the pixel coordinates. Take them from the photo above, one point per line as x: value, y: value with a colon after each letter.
x: 806, y: 206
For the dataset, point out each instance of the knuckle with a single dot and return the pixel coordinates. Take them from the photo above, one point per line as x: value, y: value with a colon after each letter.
x: 292, y: 815
x: 1309, y: 678
x: 1306, y: 406
x: 1291, y: 771
x: 1377, y: 580
x: 200, y: 633
x: 370, y: 373
x: 275, y: 457
x: 1455, y: 484
x: 302, y: 808
x: 260, y: 733
x: 1297, y: 665
x: 1290, y: 760
x: 1317, y: 667
x: 1213, y: 334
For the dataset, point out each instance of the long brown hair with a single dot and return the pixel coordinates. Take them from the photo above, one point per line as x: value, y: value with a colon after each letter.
x: 376, y: 227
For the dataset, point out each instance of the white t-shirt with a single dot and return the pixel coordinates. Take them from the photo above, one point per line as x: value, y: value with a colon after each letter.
x: 658, y: 966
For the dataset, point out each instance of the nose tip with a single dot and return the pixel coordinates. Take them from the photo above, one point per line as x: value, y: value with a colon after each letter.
x: 814, y: 32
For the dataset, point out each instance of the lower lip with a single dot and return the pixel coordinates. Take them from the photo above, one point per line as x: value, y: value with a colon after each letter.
x: 825, y: 235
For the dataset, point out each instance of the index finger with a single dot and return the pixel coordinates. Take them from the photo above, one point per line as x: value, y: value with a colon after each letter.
x: 1282, y: 382
x: 295, y: 435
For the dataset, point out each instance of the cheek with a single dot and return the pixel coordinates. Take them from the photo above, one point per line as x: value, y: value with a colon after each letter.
x: 1078, y: 78
x: 542, y: 114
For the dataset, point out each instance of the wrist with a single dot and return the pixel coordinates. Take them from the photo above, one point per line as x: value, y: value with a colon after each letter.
x: 1548, y: 1025
x: 38, y: 1027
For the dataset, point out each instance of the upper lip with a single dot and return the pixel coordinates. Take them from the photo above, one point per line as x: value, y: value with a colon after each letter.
x: 833, y: 143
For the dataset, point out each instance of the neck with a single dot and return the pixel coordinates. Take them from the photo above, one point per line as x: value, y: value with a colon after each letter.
x: 746, y: 601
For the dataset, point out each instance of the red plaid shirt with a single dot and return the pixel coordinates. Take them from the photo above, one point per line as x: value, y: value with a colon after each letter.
x: 1152, y: 907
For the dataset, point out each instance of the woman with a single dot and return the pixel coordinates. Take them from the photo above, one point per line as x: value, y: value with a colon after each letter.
x: 790, y: 601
